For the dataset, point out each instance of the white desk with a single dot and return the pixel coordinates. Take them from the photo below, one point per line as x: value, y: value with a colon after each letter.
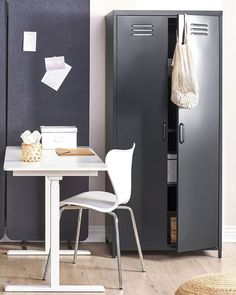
x: 53, y: 168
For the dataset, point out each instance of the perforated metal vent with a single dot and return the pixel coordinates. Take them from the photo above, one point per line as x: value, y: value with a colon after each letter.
x: 142, y: 30
x: 199, y: 29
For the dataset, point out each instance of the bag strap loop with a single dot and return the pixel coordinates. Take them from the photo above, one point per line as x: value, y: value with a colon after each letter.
x: 185, y: 30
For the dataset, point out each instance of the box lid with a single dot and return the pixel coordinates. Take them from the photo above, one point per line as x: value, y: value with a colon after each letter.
x: 58, y: 129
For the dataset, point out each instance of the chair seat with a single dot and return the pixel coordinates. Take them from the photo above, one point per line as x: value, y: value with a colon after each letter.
x: 96, y: 200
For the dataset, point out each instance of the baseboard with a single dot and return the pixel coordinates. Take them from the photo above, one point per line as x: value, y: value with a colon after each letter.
x: 96, y: 234
x: 229, y: 234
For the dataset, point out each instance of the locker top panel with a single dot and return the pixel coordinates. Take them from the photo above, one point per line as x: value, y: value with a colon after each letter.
x: 171, y: 13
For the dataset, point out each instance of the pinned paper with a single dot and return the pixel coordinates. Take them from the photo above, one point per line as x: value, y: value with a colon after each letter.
x: 29, y: 42
x: 55, y: 78
x: 55, y: 63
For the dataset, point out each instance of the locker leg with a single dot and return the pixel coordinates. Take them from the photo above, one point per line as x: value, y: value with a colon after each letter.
x: 24, y: 245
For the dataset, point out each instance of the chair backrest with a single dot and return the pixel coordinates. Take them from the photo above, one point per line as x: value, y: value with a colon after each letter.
x: 119, y: 168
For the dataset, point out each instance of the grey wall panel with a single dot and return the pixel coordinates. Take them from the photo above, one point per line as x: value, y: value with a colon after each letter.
x: 2, y: 110
x: 62, y: 28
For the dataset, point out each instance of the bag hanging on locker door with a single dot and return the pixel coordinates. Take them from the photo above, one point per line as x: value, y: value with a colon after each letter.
x: 184, y: 88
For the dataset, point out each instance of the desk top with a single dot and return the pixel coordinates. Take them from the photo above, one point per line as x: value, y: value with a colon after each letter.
x: 52, y: 163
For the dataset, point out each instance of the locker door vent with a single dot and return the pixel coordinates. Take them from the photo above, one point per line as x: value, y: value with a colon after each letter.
x: 199, y: 29
x: 142, y: 30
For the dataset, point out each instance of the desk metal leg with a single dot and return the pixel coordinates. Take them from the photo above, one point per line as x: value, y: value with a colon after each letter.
x: 55, y: 231
x: 54, y: 285
x: 47, y: 215
x: 47, y: 234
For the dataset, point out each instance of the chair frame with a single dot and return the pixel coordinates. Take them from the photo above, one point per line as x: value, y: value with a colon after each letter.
x: 122, y: 196
x: 116, y: 224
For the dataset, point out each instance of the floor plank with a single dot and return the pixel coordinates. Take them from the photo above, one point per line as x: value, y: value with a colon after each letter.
x: 165, y: 271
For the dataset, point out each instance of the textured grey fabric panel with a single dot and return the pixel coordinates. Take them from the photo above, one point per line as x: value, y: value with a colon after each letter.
x: 62, y: 28
x: 2, y: 110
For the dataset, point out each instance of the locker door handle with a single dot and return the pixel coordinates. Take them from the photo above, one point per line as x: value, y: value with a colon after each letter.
x: 181, y: 133
x: 164, y: 132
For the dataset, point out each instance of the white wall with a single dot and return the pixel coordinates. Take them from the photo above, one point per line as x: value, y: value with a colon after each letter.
x: 99, y: 8
x: 229, y: 120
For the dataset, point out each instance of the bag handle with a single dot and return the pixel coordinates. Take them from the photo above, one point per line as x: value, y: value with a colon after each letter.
x: 177, y: 36
x: 185, y: 30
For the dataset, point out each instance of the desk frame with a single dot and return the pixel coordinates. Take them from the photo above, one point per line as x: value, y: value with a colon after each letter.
x: 52, y: 236
x: 47, y: 230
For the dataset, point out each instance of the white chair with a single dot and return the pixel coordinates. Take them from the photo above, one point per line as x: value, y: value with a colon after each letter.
x: 119, y: 167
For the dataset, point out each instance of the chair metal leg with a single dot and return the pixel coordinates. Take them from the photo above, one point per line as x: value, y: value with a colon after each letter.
x: 117, y: 248
x: 47, y: 265
x: 77, y: 235
x: 135, y: 234
x: 49, y: 253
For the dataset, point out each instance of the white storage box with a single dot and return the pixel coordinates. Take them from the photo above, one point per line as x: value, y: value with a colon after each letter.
x: 58, y: 137
x: 172, y: 168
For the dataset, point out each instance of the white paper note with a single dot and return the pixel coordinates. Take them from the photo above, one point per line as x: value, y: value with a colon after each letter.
x: 55, y: 78
x: 54, y: 63
x: 29, y: 42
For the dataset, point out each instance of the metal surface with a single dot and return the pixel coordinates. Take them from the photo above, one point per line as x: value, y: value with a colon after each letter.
x: 117, y: 247
x: 135, y: 234
x: 47, y: 265
x: 198, y: 155
x: 141, y: 110
x: 125, y: 91
x: 32, y: 103
x: 164, y: 131
x: 54, y: 281
x: 77, y: 235
x: 181, y: 133
x: 49, y: 253
x: 3, y: 102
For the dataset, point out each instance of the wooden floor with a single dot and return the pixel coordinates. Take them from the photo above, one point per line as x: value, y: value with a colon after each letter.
x: 165, y: 272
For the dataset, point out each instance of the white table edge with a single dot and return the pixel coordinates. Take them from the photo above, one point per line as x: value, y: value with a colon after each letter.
x: 55, y: 174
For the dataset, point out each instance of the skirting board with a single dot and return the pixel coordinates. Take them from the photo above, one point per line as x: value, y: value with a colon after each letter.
x: 229, y: 234
x: 96, y: 234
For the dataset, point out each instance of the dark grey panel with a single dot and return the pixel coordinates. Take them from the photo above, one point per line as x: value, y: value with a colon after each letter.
x: 3, y: 36
x: 62, y: 29
x: 198, y: 156
x: 141, y: 110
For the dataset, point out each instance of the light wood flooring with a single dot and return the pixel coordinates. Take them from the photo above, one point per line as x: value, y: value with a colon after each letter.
x: 165, y: 271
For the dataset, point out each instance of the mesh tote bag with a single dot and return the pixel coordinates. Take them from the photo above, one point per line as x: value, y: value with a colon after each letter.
x: 184, y: 87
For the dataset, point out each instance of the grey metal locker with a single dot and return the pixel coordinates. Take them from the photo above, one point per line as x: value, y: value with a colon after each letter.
x: 139, y: 48
x: 62, y: 29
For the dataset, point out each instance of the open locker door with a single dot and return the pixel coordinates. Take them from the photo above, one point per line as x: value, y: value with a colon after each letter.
x: 199, y: 152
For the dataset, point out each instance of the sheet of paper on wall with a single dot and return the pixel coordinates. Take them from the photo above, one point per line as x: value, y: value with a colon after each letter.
x: 55, y: 78
x: 54, y: 63
x: 29, y: 41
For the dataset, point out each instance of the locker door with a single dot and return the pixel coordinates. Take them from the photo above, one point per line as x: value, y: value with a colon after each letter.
x: 142, y: 48
x: 3, y: 21
x: 62, y: 28
x: 198, y: 155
